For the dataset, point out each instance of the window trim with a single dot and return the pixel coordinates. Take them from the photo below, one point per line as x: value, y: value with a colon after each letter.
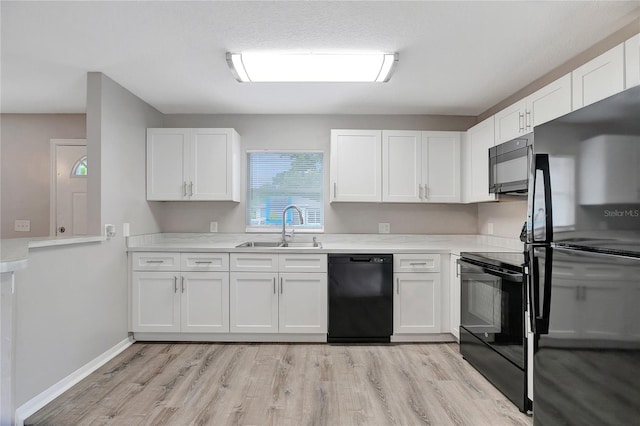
x: 271, y: 229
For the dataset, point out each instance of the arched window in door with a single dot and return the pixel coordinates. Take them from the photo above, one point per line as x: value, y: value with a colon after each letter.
x: 80, y: 168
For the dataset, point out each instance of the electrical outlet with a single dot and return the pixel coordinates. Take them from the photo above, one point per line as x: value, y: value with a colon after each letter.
x: 213, y: 226
x: 490, y: 228
x: 109, y: 230
x: 22, y: 225
x: 384, y: 228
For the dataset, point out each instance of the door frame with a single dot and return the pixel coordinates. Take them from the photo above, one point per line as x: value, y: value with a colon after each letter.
x: 52, y: 178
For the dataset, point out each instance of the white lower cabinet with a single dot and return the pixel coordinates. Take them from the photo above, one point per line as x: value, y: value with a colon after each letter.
x: 172, y: 302
x: 253, y: 302
x: 155, y: 302
x: 303, y: 303
x: 180, y: 292
x: 417, y: 298
x: 454, y: 289
x: 282, y: 301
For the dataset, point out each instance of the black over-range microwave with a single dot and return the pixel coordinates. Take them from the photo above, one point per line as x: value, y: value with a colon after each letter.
x: 509, y: 165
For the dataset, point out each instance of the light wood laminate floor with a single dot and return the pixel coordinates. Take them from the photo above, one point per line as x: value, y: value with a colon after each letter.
x: 283, y: 384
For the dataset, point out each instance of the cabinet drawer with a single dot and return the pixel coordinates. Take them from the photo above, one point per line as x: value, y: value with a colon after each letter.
x: 421, y: 262
x: 296, y: 262
x: 204, y: 262
x: 156, y: 261
x: 257, y: 262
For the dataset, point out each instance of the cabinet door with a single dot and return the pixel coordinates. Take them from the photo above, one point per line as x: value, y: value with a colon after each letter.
x: 511, y: 122
x: 205, y: 302
x: 552, y: 101
x: 599, y: 78
x: 253, y: 302
x: 632, y: 61
x: 402, y: 166
x: 155, y: 301
x: 416, y: 303
x: 355, y: 169
x: 303, y: 303
x: 454, y: 289
x: 479, y: 139
x: 167, y: 163
x: 441, y: 167
x: 211, y: 164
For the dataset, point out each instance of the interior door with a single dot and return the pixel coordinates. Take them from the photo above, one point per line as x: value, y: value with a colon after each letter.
x: 71, y: 190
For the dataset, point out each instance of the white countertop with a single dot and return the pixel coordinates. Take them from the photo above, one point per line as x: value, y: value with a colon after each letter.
x: 14, y: 252
x: 331, y: 243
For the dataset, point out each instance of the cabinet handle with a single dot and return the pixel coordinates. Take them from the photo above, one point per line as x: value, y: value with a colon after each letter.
x: 457, y: 269
x: 528, y: 119
x: 184, y: 188
x: 203, y: 262
x: 175, y: 284
x: 417, y: 263
x: 520, y: 122
x: 182, y: 284
x: 154, y: 261
x: 397, y: 285
x: 191, y: 189
x: 274, y: 285
x: 335, y: 189
x: 280, y: 285
x: 420, y: 191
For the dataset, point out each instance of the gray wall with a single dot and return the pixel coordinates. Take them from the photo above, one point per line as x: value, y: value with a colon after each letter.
x: 25, y: 167
x: 313, y: 132
x: 72, y: 302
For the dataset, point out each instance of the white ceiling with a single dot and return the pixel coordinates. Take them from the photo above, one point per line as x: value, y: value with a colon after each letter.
x: 455, y: 57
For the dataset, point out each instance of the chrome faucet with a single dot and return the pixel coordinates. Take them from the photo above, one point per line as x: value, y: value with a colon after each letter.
x: 284, y: 215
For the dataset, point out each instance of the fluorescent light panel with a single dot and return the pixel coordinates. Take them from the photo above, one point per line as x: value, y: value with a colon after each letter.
x: 312, y: 67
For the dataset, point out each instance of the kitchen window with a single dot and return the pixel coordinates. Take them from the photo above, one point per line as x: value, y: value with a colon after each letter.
x: 276, y: 179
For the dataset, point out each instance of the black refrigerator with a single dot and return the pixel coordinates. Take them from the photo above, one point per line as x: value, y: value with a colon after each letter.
x: 583, y: 247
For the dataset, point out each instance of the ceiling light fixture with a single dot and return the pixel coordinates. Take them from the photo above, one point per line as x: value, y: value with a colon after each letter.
x: 312, y: 67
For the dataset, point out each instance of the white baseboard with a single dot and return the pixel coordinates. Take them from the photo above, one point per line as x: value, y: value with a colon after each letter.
x: 37, y: 402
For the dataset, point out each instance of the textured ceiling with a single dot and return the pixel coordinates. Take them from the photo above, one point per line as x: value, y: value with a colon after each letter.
x: 455, y: 57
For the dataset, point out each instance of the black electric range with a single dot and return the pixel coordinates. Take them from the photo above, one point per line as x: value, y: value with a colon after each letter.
x: 492, y: 320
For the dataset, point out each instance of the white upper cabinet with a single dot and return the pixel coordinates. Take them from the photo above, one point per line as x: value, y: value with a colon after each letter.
x: 441, y: 167
x: 215, y: 164
x: 599, y: 78
x: 511, y: 122
x: 193, y: 164
x: 419, y: 167
x: 552, y: 101
x: 476, y: 146
x: 167, y: 163
x: 632, y: 61
x: 356, y: 167
x: 402, y: 166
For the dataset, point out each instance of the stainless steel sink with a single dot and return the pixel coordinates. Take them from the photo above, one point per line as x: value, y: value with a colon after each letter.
x: 256, y: 244
x: 311, y: 244
x: 270, y: 244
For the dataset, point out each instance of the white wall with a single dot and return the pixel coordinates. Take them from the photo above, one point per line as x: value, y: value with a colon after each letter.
x: 25, y: 146
x: 72, y: 300
x: 313, y: 132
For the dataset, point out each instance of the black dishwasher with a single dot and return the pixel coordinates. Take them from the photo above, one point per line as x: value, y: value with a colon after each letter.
x: 360, y: 298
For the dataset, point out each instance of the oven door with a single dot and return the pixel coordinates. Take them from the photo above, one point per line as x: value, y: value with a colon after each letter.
x: 492, y: 308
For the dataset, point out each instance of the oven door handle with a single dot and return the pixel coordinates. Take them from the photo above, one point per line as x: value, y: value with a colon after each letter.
x: 471, y: 268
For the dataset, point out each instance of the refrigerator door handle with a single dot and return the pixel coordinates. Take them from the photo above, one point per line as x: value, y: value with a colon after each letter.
x: 539, y: 315
x: 540, y: 215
